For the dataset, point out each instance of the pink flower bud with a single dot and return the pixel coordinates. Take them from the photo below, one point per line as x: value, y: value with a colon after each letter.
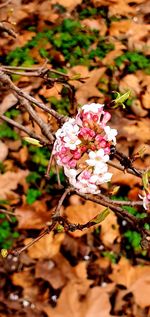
x: 105, y: 119
x: 72, y: 163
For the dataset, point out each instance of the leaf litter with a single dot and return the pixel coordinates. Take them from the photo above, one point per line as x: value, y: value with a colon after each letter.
x: 80, y: 274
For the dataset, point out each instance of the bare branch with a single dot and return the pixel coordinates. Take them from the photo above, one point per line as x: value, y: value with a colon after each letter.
x: 136, y: 223
x: 44, y: 127
x: 121, y: 202
x: 40, y: 236
x: 24, y: 129
x: 5, y: 28
x: 56, y: 214
x: 7, y: 81
x: 5, y: 4
x: 120, y: 168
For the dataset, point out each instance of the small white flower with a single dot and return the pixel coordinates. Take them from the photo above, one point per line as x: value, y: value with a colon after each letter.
x: 100, y: 169
x: 72, y: 142
x: 146, y: 200
x: 93, y: 107
x: 97, y: 158
x: 105, y: 178
x: 111, y: 134
x: 70, y: 172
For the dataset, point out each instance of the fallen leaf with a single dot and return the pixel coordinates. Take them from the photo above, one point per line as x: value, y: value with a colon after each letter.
x: 88, y: 89
x: 94, y: 24
x: 135, y: 278
x: 82, y: 214
x: 3, y: 151
x: 9, y: 182
x: 109, y: 230
x: 130, y: 82
x: 9, y: 101
x: 78, y: 300
x: 26, y: 280
x: 46, y: 247
x: 138, y: 109
x: 32, y: 216
x: 146, y: 99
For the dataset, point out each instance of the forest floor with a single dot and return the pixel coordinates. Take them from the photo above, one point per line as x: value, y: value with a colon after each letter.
x: 99, y: 272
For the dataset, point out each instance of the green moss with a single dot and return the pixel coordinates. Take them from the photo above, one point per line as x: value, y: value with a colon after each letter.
x: 134, y: 61
x: 7, y: 233
x: 7, y: 132
x: 32, y: 195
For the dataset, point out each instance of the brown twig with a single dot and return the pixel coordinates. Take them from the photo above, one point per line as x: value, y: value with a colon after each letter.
x: 49, y: 165
x: 24, y: 129
x: 44, y: 127
x: 121, y: 202
x: 57, y: 211
x: 5, y: 28
x: 120, y: 168
x: 33, y: 71
x: 7, y: 81
x: 40, y: 236
x: 5, y: 4
x: 136, y: 223
x: 126, y: 162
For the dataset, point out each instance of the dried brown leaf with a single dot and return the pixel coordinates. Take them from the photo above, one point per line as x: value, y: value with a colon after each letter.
x: 3, y: 151
x: 46, y: 247
x: 33, y: 216
x: 88, y: 89
x: 9, y: 182
x: 82, y: 214
x: 135, y: 278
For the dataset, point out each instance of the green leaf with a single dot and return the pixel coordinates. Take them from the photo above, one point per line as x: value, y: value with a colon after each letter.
x: 100, y: 217
x: 145, y: 179
x: 32, y: 195
x: 120, y: 99
x: 32, y: 141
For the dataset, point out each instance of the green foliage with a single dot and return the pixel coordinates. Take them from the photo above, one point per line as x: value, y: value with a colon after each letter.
x: 133, y: 211
x: 7, y: 132
x: 32, y: 195
x: 87, y: 13
x: 33, y: 177
x: 110, y: 255
x: 69, y: 38
x: 134, y: 61
x: 39, y: 156
x: 103, y: 48
x: 133, y: 239
x: 62, y: 105
x: 2, y: 167
x: 20, y: 56
x: 12, y: 113
x: 7, y: 233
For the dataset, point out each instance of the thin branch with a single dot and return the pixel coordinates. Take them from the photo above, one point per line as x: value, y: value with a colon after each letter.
x: 49, y: 165
x: 24, y: 129
x: 6, y: 212
x: 121, y: 202
x: 126, y: 162
x: 5, y: 4
x: 120, y: 168
x: 7, y: 81
x: 40, y: 236
x: 57, y: 211
x: 33, y: 71
x: 5, y: 28
x: 44, y: 127
x: 135, y: 222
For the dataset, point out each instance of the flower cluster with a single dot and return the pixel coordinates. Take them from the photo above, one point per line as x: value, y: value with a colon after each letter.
x: 146, y: 200
x: 82, y: 147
